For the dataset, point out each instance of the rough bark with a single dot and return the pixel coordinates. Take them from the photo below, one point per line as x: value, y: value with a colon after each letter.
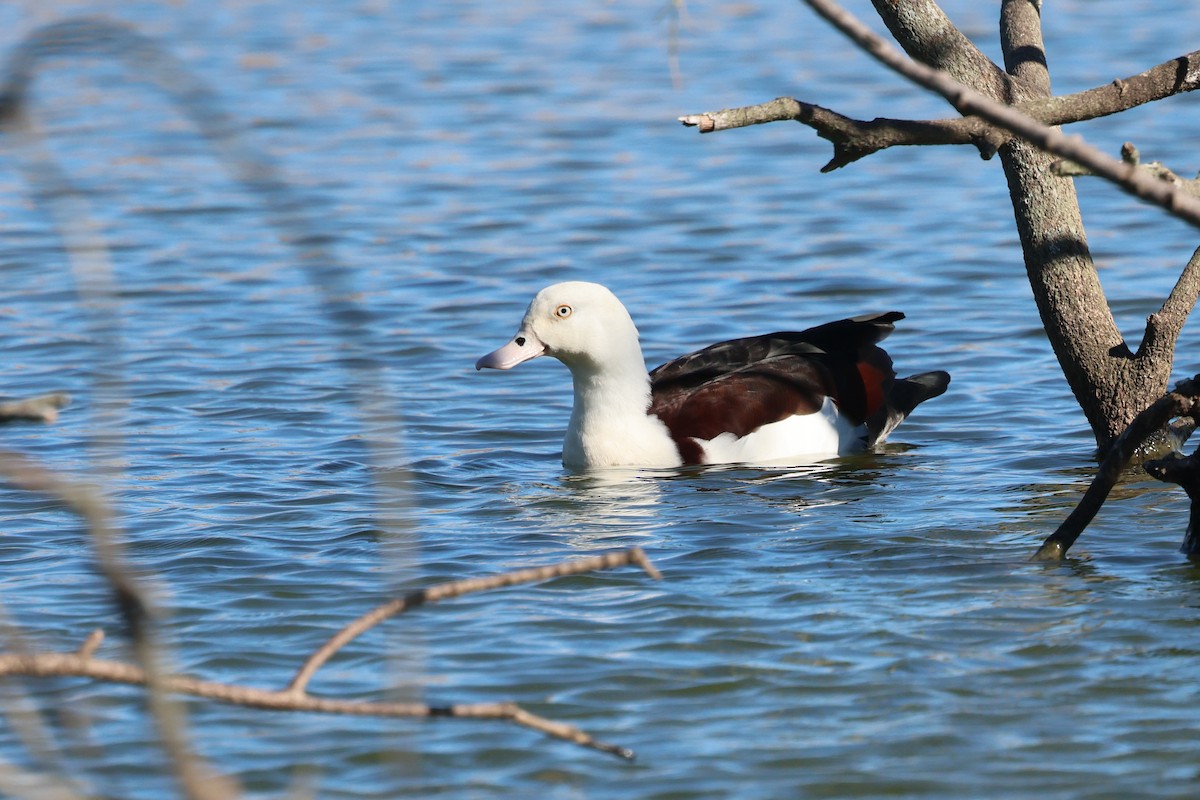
x: 1008, y: 111
x: 928, y: 36
x: 1110, y: 383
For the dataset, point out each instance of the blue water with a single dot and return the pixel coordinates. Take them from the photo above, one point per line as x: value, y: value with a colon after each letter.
x: 869, y: 627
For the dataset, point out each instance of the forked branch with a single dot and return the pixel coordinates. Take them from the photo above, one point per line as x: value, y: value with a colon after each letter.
x: 1183, y: 401
x: 82, y: 664
x: 854, y: 139
x: 1177, y: 76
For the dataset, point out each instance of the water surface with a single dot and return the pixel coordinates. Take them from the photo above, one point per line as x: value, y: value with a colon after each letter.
x: 865, y: 628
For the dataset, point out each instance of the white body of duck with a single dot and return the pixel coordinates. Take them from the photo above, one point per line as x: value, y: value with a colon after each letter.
x: 779, y: 398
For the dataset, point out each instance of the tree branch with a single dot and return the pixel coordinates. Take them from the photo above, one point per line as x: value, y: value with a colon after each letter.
x: 854, y: 139
x: 47, y: 665
x: 1183, y: 401
x: 971, y: 102
x: 1164, y: 326
x: 1177, y: 76
x: 929, y: 37
x: 294, y: 697
x: 445, y: 591
x: 1024, y: 49
x: 1184, y: 471
x: 1131, y: 156
x: 43, y: 408
x: 195, y: 777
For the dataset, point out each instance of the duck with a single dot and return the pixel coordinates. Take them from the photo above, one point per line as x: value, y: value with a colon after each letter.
x: 791, y: 397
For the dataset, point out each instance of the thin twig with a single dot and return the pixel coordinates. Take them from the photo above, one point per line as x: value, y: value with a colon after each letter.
x: 90, y: 644
x: 444, y: 591
x: 50, y: 665
x: 27, y: 721
x: 1130, y: 156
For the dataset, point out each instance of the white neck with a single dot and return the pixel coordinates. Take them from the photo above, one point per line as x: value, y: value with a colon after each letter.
x: 609, y: 424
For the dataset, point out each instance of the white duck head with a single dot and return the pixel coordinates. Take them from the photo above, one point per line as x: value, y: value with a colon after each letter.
x: 581, y: 324
x: 585, y: 326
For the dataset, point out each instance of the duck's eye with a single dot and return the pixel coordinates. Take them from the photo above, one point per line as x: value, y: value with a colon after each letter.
x: 562, y: 312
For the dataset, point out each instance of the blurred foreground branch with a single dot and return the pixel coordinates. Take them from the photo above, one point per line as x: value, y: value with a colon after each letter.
x: 43, y: 408
x: 300, y: 225
x: 294, y: 697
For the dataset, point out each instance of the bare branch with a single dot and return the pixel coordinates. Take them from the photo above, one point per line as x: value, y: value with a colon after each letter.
x: 969, y: 101
x: 1177, y: 76
x: 294, y: 698
x: 1164, y: 326
x: 1183, y: 401
x: 1024, y: 49
x: 929, y: 36
x: 854, y: 139
x: 28, y: 722
x: 196, y: 779
x: 47, y: 665
x: 1130, y: 156
x: 43, y: 408
x: 90, y: 644
x: 445, y: 591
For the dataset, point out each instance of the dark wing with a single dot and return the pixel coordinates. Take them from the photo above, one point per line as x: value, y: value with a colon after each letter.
x: 739, y: 402
x: 740, y: 385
